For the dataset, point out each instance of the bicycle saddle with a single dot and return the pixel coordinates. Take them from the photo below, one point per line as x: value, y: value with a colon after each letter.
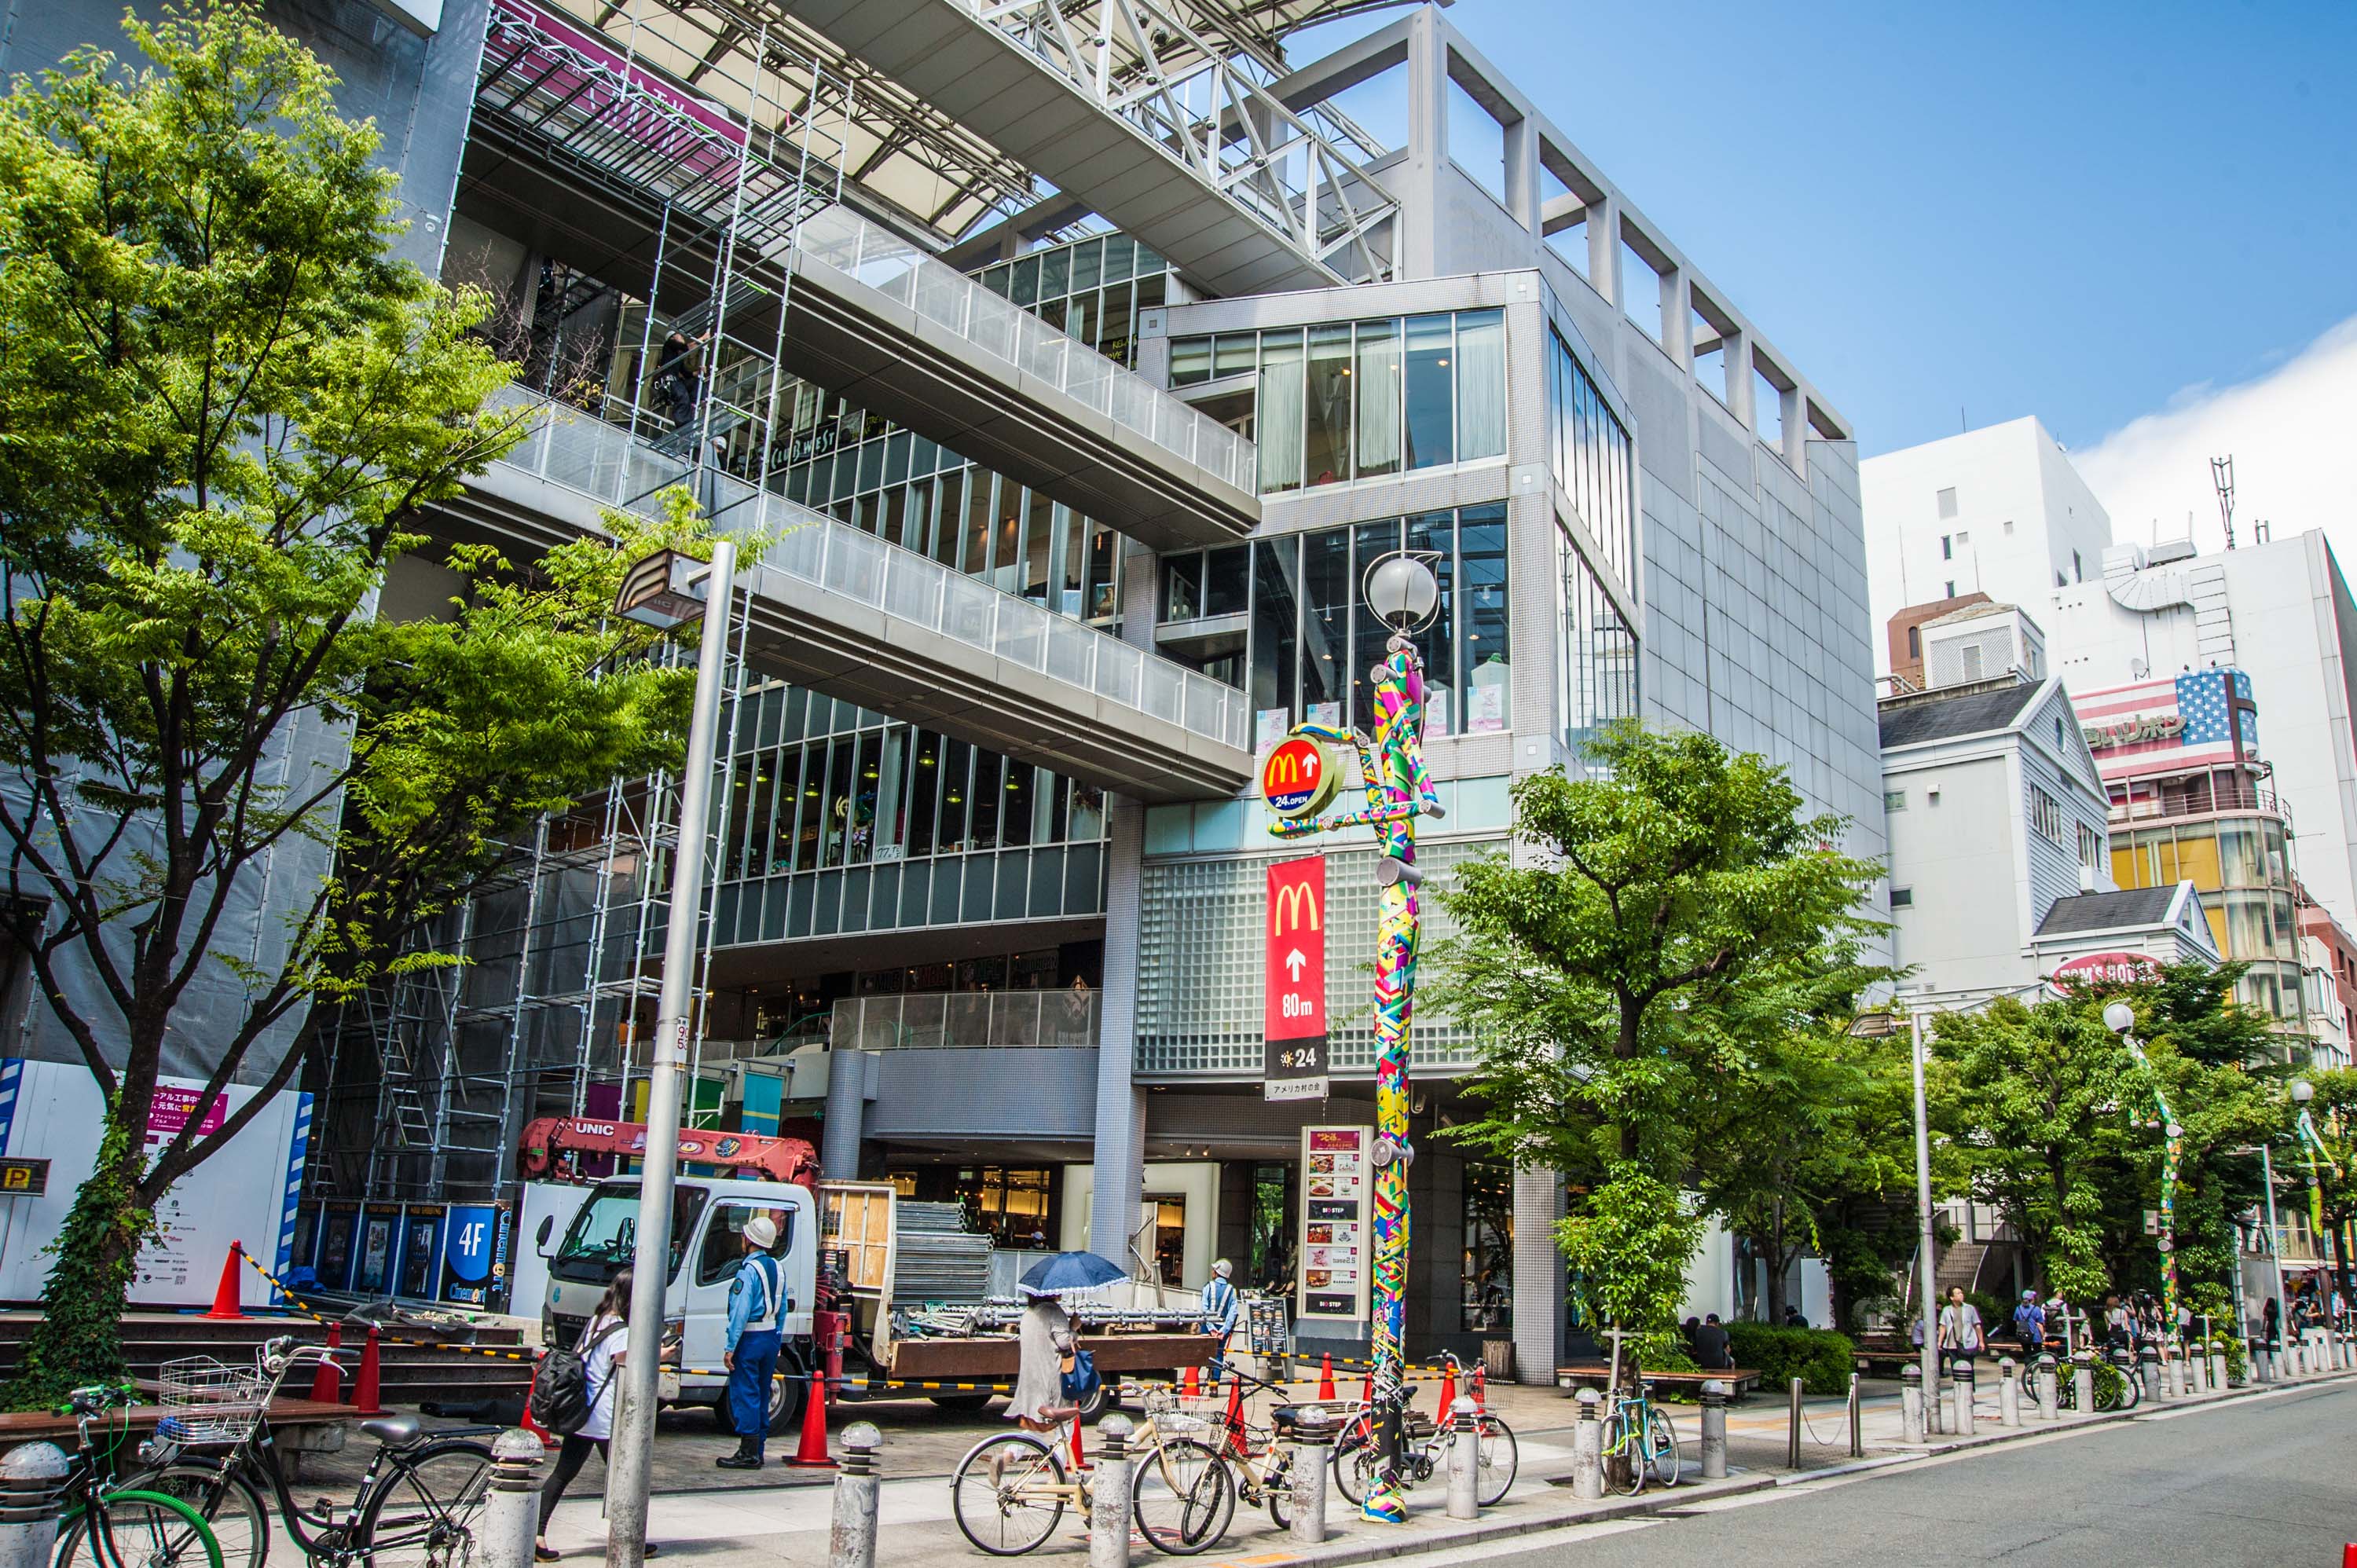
x: 392, y: 1431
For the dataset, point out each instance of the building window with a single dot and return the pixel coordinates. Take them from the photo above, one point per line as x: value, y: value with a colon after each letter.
x: 1488, y: 1262
x: 1600, y: 673
x: 2045, y: 815
x: 2090, y: 848
x: 1902, y: 897
x: 1590, y: 457
x: 2008, y: 529
x: 1964, y: 537
x: 1914, y: 642
x: 1947, y: 503
x: 1894, y: 800
x: 1948, y: 589
x: 2077, y: 574
x: 1947, y: 547
x: 2058, y: 725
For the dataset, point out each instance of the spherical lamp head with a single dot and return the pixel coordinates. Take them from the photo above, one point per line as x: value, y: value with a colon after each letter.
x: 1402, y: 590
x: 2302, y: 1091
x: 2119, y: 1018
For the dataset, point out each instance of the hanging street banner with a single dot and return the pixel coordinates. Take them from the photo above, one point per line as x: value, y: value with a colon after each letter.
x: 1293, y: 1058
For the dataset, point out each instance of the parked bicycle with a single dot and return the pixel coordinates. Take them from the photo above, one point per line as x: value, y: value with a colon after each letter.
x: 2117, y: 1387
x: 1010, y: 1491
x: 1639, y: 1432
x: 417, y: 1505
x: 1424, y: 1447
x: 122, y: 1527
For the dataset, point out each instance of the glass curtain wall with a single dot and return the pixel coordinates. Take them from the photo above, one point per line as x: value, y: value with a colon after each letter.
x: 1592, y: 457
x: 1598, y: 683
x: 1348, y: 401
x: 1311, y: 641
x: 2240, y: 867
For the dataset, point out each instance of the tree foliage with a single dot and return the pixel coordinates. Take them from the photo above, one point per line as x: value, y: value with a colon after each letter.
x: 224, y: 412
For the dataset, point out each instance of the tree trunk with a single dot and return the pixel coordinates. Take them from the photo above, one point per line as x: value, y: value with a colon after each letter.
x: 79, y: 1338
x: 1777, y: 1262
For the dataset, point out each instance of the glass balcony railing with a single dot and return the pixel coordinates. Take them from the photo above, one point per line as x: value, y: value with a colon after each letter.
x: 584, y: 454
x: 871, y: 254
x: 954, y: 1019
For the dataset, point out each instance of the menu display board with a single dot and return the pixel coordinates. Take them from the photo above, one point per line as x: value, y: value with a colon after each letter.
x: 1337, y: 1207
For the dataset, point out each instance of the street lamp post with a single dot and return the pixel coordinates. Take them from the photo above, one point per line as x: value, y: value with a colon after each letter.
x: 1404, y: 593
x: 663, y: 591
x: 2120, y: 1018
x: 1925, y: 1242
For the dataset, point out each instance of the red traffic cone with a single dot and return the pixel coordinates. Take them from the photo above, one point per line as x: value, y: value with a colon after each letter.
x: 1079, y: 1459
x: 1325, y: 1377
x: 1192, y: 1383
x: 328, y: 1383
x: 1234, y: 1419
x: 225, y: 1294
x: 1447, y: 1393
x: 812, y: 1454
x: 365, y: 1398
x: 2348, y: 1555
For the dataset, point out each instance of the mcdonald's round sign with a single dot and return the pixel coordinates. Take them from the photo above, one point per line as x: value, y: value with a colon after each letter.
x: 1298, y: 776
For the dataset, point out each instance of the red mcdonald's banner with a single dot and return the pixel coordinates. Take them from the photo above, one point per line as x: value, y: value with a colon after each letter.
x: 1293, y: 1061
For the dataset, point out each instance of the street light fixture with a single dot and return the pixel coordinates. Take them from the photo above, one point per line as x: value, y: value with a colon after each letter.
x: 666, y: 590
x: 2120, y: 1019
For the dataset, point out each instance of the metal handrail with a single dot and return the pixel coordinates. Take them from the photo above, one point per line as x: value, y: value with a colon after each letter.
x: 583, y: 453
x: 2158, y: 808
x: 873, y: 255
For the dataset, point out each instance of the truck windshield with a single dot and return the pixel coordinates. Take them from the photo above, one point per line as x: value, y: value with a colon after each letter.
x: 604, y: 1234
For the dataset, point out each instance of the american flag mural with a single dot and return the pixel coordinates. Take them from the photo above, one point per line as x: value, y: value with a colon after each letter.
x: 2195, y: 717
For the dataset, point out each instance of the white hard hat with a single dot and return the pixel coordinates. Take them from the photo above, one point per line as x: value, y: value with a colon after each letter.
x: 1224, y: 1268
x: 762, y: 1232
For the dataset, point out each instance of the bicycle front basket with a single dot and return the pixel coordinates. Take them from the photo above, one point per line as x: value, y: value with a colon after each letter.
x: 206, y: 1400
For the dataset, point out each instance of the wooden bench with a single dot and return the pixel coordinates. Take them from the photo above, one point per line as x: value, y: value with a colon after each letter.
x: 29, y: 1425
x: 1739, y: 1381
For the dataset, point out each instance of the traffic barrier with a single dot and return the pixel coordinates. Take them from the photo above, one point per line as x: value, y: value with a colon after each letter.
x: 1194, y: 1383
x: 328, y: 1383
x: 811, y: 1453
x: 366, y: 1400
x: 1325, y: 1376
x: 225, y: 1294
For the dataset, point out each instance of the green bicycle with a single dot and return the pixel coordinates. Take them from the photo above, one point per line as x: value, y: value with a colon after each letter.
x: 1640, y: 1431
x: 111, y: 1526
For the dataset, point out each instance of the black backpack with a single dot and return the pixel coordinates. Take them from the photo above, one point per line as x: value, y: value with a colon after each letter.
x: 561, y: 1396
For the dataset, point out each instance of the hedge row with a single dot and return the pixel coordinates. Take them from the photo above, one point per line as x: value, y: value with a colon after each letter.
x: 1820, y: 1358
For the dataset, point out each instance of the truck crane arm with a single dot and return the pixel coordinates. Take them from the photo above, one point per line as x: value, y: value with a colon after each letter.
x: 550, y: 1138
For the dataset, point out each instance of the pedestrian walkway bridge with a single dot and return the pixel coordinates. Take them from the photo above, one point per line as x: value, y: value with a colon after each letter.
x: 843, y: 612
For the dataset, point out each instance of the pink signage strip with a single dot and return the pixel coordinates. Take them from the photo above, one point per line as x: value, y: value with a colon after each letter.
x: 591, y: 45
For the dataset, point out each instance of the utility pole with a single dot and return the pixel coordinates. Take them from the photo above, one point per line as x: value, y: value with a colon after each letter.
x: 1925, y: 1242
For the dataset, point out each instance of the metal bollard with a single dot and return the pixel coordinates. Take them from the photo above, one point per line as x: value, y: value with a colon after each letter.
x: 2217, y: 1366
x: 32, y: 1486
x: 2149, y: 1369
x: 2082, y: 1380
x: 1963, y: 1375
x: 858, y: 1492
x: 511, y: 1510
x: 2009, y: 1392
x: 1714, y: 1430
x: 1793, y: 1428
x: 1464, y: 1462
x: 2197, y: 1374
x: 1587, y: 1451
x: 1109, y: 1521
x: 2049, y: 1391
x: 1308, y: 1526
x: 1856, y: 1420
x: 1911, y: 1403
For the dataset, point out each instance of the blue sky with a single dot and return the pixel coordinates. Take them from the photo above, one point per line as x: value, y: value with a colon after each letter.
x: 2087, y: 213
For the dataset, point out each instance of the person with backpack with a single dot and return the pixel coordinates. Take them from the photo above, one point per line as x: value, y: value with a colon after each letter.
x: 1221, y: 1308
x: 757, y: 1322
x: 573, y: 1396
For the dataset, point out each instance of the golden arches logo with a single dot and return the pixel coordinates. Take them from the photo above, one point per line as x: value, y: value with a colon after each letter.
x: 1289, y: 901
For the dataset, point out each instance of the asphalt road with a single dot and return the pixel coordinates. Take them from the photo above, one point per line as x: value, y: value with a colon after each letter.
x: 2266, y: 1481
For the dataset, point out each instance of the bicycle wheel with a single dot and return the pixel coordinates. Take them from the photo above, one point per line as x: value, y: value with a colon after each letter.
x: 231, y: 1507
x: 1496, y: 1457
x: 1623, y: 1447
x: 426, y: 1512
x: 1280, y: 1489
x: 1355, y: 1466
x: 1182, y: 1496
x: 1662, y: 1445
x: 1008, y: 1493
x: 141, y: 1529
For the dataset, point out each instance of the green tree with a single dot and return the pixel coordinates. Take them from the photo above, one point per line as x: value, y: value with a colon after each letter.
x: 2332, y: 1112
x: 223, y: 411
x: 1659, y: 921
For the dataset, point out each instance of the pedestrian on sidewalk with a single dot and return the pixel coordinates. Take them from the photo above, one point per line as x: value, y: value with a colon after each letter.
x: 1962, y: 1338
x: 1043, y: 1340
x: 2271, y: 1322
x: 2029, y: 1324
x: 757, y: 1321
x: 1222, y: 1306
x: 600, y: 1350
x: 1712, y: 1350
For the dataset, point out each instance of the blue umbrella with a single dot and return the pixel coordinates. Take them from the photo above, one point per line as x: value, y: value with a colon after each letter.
x: 1067, y: 1271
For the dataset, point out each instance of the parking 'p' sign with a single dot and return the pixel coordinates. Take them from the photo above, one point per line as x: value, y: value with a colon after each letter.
x: 1297, y: 778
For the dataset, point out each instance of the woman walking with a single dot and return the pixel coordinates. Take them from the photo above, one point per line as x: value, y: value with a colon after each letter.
x: 600, y: 1350
x: 1045, y: 1341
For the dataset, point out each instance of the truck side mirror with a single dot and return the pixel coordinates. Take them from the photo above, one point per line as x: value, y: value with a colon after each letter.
x: 540, y: 1240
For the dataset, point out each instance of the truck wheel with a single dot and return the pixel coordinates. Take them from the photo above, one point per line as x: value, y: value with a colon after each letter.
x: 964, y: 1404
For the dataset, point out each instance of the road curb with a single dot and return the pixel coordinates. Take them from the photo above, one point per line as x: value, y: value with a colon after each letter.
x: 1400, y: 1543
x: 2111, y: 1418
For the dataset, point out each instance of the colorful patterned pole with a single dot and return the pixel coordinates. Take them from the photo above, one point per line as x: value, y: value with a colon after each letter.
x: 1398, y: 790
x: 2171, y: 1157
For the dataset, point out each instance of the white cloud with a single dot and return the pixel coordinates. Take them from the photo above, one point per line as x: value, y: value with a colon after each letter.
x: 2290, y: 433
